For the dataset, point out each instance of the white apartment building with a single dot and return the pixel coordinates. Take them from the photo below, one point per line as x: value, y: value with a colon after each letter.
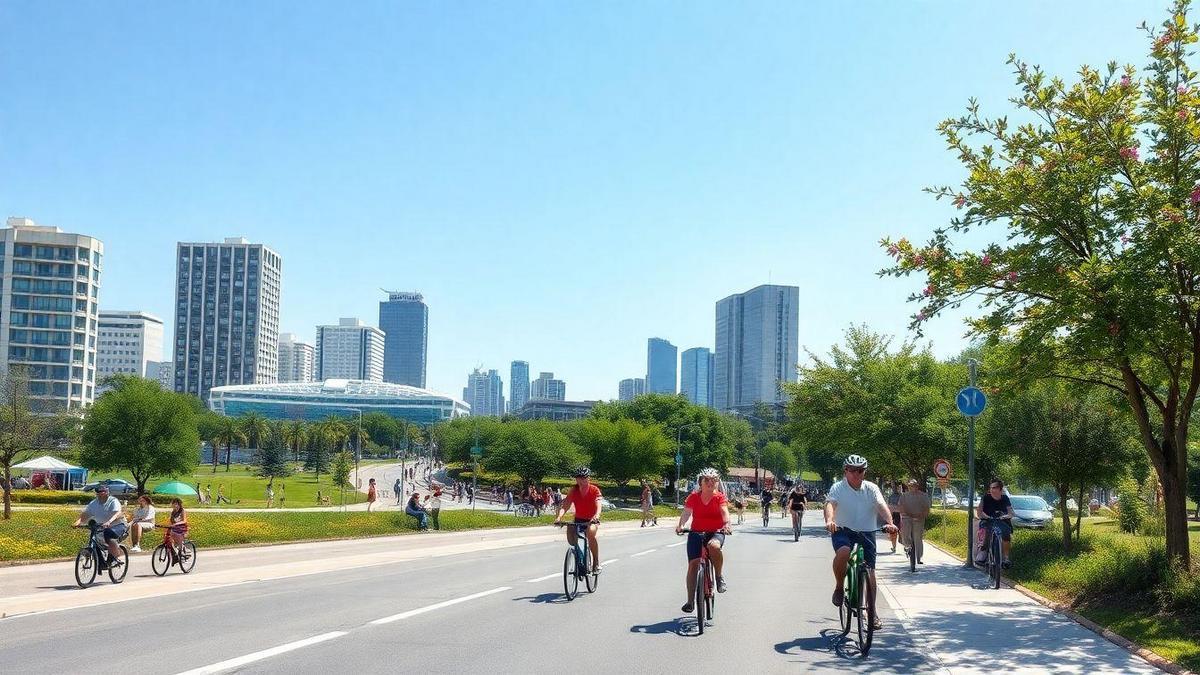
x: 128, y: 342
x: 296, y: 359
x: 351, y: 350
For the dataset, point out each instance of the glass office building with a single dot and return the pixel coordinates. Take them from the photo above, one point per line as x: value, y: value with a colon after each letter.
x: 49, y: 313
x: 314, y: 401
x: 518, y: 384
x: 404, y: 320
x: 757, y: 346
x: 662, y: 363
x: 695, y: 375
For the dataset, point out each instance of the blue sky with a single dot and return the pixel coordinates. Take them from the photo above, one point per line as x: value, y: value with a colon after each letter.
x: 561, y: 180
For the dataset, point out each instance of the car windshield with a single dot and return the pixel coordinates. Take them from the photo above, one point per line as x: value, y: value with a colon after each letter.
x: 1029, y: 503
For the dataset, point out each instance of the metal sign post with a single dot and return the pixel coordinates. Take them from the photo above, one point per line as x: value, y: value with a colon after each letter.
x: 971, y: 402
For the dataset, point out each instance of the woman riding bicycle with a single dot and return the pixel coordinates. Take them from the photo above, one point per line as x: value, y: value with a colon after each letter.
x: 708, y: 511
x: 585, y: 497
x: 996, y: 505
x: 797, y: 501
x: 178, y: 524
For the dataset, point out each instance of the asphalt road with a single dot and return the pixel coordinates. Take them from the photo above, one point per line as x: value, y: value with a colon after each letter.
x: 497, y: 610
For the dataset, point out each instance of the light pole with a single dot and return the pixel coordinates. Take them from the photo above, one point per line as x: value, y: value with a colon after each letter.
x: 973, y: 372
x: 679, y: 456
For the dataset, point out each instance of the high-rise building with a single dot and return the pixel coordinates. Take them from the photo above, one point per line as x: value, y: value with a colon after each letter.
x: 518, y: 384
x: 162, y: 372
x: 630, y: 388
x: 351, y: 350
x: 484, y: 393
x: 757, y: 346
x: 49, y: 311
x: 695, y: 375
x: 128, y: 343
x: 226, y: 315
x: 546, y: 388
x: 662, y: 361
x: 297, y: 359
x: 404, y: 320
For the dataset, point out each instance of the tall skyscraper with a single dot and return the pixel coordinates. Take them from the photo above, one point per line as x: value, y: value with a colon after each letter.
x: 404, y: 320
x: 484, y: 393
x: 226, y: 315
x: 662, y: 362
x: 162, y: 372
x: 50, y: 316
x: 695, y: 375
x: 297, y: 360
x: 351, y: 350
x: 518, y: 384
x: 128, y: 342
x: 546, y: 388
x: 757, y: 345
x: 630, y: 388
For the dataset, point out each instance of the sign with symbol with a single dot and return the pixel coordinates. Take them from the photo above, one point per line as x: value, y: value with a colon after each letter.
x: 476, y: 451
x: 971, y: 401
x: 679, y: 459
x: 941, y: 469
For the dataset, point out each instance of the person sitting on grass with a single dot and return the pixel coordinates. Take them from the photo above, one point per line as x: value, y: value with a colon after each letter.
x: 414, y: 509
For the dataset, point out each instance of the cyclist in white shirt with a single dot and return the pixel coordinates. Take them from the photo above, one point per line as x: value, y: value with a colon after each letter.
x: 854, y: 508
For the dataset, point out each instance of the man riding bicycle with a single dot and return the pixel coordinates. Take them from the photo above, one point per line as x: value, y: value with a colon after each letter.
x: 585, y: 497
x: 708, y: 511
x: 107, y: 513
x: 996, y: 505
x: 797, y: 501
x: 854, y: 508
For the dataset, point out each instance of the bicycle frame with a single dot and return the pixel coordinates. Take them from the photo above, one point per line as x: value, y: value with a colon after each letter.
x: 581, y: 548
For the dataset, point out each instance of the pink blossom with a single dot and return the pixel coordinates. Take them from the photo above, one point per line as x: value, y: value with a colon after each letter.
x: 1012, y: 276
x: 1181, y: 89
x: 1182, y: 114
x: 960, y: 201
x: 1196, y: 194
x: 1126, y: 82
x: 1130, y: 152
x: 918, y: 260
x: 893, y: 250
x: 921, y: 316
x: 929, y: 290
x: 987, y: 260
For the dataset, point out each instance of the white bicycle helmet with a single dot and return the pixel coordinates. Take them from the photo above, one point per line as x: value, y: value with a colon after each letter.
x: 855, y: 462
x: 707, y: 473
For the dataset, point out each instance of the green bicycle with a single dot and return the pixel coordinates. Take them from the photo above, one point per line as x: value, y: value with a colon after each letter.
x: 854, y: 610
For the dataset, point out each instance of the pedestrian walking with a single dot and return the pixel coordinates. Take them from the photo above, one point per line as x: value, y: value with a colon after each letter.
x: 508, y: 500
x: 371, y: 495
x: 648, y: 506
x: 200, y: 495
x: 282, y: 496
x: 270, y: 496
x: 208, y: 494
x: 435, y: 505
x: 398, y: 489
x: 893, y: 502
x: 221, y: 495
x: 914, y: 509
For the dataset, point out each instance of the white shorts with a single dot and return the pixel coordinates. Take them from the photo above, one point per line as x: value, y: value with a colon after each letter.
x: 145, y: 526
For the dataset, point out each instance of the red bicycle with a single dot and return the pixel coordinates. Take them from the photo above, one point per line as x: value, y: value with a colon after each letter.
x: 166, y: 555
x: 706, y: 581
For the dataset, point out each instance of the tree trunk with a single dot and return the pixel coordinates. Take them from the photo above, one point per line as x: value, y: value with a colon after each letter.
x: 216, y: 455
x: 7, y: 492
x: 1063, y: 493
x: 1175, y: 507
x: 228, y: 455
x: 1079, y: 512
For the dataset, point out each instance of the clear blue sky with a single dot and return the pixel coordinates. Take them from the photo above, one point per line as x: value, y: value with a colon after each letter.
x: 561, y: 180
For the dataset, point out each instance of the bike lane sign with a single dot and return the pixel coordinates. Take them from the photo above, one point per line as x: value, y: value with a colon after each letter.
x: 971, y: 401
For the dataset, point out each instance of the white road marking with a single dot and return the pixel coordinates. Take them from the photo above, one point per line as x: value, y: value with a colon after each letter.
x: 611, y: 560
x: 264, y: 654
x: 674, y: 545
x: 438, y: 605
x: 652, y: 550
x: 548, y: 576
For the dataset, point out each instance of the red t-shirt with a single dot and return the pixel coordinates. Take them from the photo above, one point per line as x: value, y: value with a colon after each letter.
x: 706, y: 517
x: 585, y: 504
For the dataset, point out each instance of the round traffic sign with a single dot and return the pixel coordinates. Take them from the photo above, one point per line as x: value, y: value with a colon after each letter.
x: 941, y: 469
x: 971, y: 401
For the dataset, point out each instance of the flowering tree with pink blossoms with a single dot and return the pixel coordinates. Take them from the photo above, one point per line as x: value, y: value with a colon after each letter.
x: 1093, y: 199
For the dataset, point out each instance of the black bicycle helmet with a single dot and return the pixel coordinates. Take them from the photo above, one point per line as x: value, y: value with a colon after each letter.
x: 582, y: 472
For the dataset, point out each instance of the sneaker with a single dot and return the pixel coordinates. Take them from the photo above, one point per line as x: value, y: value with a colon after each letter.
x: 136, y: 549
x: 688, y: 608
x: 597, y: 569
x: 838, y: 596
x: 876, y: 624
x: 721, y: 587
x: 1006, y: 564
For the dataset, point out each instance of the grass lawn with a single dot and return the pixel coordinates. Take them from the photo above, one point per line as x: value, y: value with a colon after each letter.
x: 45, y: 534
x: 247, y: 490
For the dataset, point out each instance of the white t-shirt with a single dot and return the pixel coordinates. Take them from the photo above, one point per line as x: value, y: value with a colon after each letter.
x: 147, y: 513
x: 857, y: 509
x: 101, y: 512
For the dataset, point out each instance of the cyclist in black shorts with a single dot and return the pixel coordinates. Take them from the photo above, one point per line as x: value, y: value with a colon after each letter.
x: 767, y: 498
x: 797, y: 501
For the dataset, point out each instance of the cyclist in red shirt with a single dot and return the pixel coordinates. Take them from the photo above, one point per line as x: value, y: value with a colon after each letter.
x: 709, y: 512
x: 585, y: 497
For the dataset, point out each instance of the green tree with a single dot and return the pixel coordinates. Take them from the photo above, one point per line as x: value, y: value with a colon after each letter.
x: 142, y: 428
x: 227, y: 433
x: 340, y: 470
x: 1067, y: 439
x: 316, y: 455
x: 531, y: 450
x: 273, y: 454
x: 1093, y: 204
x: 780, y: 459
x: 255, y: 428
x: 23, y: 430
x: 384, y: 429
x: 294, y: 435
x: 624, y: 450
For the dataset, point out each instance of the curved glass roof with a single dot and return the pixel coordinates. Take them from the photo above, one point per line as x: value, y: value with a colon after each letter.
x: 333, y: 388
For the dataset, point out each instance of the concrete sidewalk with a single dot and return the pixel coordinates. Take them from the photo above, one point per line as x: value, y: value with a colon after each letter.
x: 976, y: 629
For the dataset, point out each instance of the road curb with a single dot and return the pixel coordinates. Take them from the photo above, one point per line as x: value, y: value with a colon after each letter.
x: 1125, y: 643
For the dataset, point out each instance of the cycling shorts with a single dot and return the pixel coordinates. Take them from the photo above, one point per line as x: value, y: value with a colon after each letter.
x: 844, y: 538
x: 696, y: 540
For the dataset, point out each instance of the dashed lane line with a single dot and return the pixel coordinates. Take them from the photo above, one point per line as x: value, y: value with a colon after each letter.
x: 438, y: 605
x: 240, y: 661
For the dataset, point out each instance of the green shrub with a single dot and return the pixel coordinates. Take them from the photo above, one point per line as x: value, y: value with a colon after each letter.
x: 1131, y: 510
x: 73, y: 497
x: 1104, y: 565
x: 1180, y: 592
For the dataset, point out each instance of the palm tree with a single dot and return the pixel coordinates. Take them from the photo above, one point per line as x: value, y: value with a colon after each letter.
x: 227, y: 433
x: 334, y: 431
x: 294, y: 435
x: 256, y: 429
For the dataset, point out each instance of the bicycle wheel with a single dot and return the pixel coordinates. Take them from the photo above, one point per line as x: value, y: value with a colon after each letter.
x: 997, y: 559
x: 116, y: 573
x: 700, y: 600
x: 846, y: 609
x: 187, y: 558
x: 864, y: 641
x: 570, y: 577
x: 160, y: 560
x: 710, y: 596
x: 85, y: 567
x: 796, y: 530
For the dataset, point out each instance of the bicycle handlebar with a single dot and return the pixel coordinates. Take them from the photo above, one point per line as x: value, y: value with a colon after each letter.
x: 689, y: 531
x: 593, y: 521
x: 874, y: 531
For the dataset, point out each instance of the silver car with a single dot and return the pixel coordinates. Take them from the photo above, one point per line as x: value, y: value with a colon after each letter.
x: 1030, y: 511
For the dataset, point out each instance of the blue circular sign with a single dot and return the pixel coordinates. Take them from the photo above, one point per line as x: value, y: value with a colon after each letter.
x: 971, y: 401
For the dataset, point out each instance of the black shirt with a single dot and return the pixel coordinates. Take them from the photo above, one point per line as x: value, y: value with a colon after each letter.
x: 798, y: 499
x: 767, y: 497
x: 994, y: 508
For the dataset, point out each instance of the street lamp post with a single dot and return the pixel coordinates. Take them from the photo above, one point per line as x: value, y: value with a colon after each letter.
x: 679, y: 456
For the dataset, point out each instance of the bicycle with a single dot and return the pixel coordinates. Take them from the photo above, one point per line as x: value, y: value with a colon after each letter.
x: 766, y: 514
x: 576, y: 565
x: 995, y: 552
x: 165, y: 555
x: 854, y: 607
x: 706, y: 582
x: 797, y: 523
x: 94, y: 558
x: 526, y: 510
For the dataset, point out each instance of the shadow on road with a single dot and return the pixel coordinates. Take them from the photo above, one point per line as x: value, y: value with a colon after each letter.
x: 64, y: 587
x: 676, y: 626
x: 545, y: 599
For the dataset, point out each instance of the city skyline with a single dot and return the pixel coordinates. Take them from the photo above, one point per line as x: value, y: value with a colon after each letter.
x: 135, y: 145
